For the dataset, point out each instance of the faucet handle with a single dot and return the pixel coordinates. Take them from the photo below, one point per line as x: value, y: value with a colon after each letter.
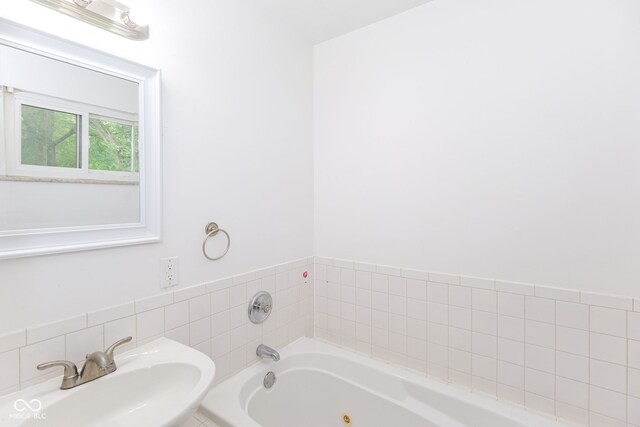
x: 70, y: 376
x: 112, y: 347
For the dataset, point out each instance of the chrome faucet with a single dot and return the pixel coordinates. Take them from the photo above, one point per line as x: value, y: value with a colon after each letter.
x: 266, y: 351
x: 96, y: 365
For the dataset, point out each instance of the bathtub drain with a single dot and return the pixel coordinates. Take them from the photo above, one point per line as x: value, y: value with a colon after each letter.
x: 269, y: 380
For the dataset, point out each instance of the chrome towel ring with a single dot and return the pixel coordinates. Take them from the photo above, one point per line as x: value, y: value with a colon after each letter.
x: 211, y: 230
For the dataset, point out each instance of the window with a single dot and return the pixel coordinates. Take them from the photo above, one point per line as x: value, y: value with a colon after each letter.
x: 65, y: 140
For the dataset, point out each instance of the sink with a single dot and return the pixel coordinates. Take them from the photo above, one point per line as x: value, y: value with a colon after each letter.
x: 157, y: 384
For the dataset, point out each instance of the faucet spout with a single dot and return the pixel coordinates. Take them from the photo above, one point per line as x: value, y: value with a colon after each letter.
x: 267, y: 352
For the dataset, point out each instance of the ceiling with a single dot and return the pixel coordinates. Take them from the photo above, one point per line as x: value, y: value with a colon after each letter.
x: 321, y: 20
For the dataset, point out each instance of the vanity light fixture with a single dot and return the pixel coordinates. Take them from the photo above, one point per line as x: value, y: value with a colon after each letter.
x: 106, y: 14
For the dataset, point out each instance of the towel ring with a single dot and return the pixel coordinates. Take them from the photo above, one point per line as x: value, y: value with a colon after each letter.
x: 211, y: 230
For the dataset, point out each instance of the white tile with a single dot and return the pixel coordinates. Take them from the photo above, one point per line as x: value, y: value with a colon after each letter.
x: 217, y: 285
x: 363, y: 315
x: 150, y: 323
x: 477, y: 282
x: 484, y: 300
x: 511, y: 375
x: 348, y: 311
x: 380, y: 319
x: 238, y: 295
x: 363, y: 297
x: 572, y: 366
x: 189, y: 292
x: 41, y: 352
x: 572, y: 392
x: 460, y: 360
x: 363, y: 333
x: 438, y: 354
x: 540, y: 309
x: 199, y: 307
x: 633, y: 406
x: 515, y: 288
x: 57, y: 328
x: 608, y: 375
x: 156, y: 301
x: 379, y: 283
x: 510, y: 394
x: 437, y: 292
x: 397, y: 324
x: 633, y: 382
x: 438, y: 334
x: 608, y: 348
x: 417, y: 328
x: 397, y: 286
x: 636, y: 304
x: 510, y: 304
x: 416, y: 348
x: 634, y: 354
x: 484, y: 322
x: 540, y: 383
x: 415, y: 274
x: 180, y: 335
x: 363, y: 279
x: 220, y: 345
x: 539, y: 403
x: 397, y: 305
x: 118, y: 329
x: 572, y: 414
x: 444, y: 278
x: 598, y: 420
x: 247, y: 277
x: 484, y: 345
x: 572, y: 315
x: 608, y: 403
x: 9, y: 369
x: 460, y: 296
x: 574, y: 341
x: 539, y: 333
x: 511, y: 328
x: 511, y: 351
x: 437, y: 313
x: 417, y: 309
x: 348, y: 276
x: 608, y: 321
x: 558, y: 294
x: 633, y: 326
x: 220, y: 301
x: 176, y: 315
x: 238, y: 316
x: 483, y: 386
x: 484, y: 367
x: 460, y: 339
x: 460, y: 317
x: 13, y: 340
x: 108, y: 314
x: 84, y: 342
x: 238, y: 337
x: 605, y: 300
x: 540, y: 358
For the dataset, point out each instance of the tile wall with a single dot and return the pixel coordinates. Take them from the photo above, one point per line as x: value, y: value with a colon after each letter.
x: 568, y: 354
x: 210, y: 317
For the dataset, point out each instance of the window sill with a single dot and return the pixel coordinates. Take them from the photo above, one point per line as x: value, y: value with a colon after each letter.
x: 65, y: 180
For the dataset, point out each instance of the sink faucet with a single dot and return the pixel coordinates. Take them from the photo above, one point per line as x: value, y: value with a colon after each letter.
x: 266, y: 351
x: 96, y: 365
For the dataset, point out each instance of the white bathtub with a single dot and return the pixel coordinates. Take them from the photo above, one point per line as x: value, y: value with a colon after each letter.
x: 317, y: 384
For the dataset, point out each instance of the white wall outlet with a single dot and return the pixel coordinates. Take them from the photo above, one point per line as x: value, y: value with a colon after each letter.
x: 169, y: 272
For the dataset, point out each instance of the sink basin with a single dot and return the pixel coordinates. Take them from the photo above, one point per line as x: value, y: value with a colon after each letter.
x: 158, y: 384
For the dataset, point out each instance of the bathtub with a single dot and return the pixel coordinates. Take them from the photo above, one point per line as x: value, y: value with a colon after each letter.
x: 319, y: 385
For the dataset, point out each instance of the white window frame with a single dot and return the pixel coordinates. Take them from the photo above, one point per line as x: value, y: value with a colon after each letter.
x: 42, y: 241
x: 84, y: 112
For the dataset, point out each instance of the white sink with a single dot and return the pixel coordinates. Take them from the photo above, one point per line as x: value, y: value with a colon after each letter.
x: 158, y: 384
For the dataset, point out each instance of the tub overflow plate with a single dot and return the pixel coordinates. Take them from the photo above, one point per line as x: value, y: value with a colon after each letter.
x: 269, y: 380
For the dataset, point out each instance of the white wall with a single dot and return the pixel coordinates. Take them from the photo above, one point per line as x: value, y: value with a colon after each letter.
x: 493, y: 138
x: 237, y: 89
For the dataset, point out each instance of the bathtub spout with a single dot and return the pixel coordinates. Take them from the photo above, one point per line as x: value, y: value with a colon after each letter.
x: 266, y: 351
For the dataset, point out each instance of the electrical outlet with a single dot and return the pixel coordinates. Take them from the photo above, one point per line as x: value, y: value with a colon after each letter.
x: 169, y: 272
